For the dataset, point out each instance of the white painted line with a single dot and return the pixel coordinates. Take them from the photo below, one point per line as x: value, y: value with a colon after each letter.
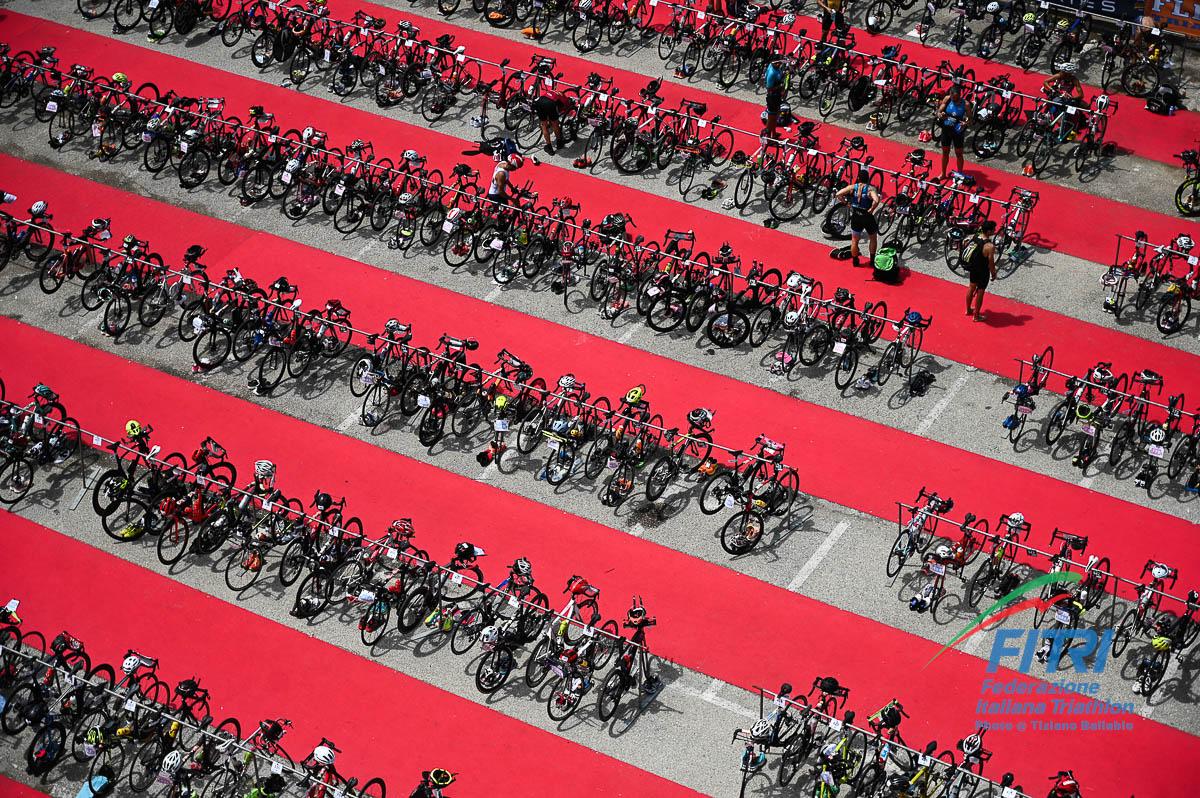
x: 637, y: 530
x: 711, y: 698
x: 495, y: 292
x: 936, y: 412
x: 974, y: 645
x: 1086, y: 482
x: 814, y: 561
x: 87, y: 482
x: 487, y: 473
x: 348, y: 421
x: 365, y: 248
x: 625, y: 336
x: 87, y: 322
x: 713, y: 689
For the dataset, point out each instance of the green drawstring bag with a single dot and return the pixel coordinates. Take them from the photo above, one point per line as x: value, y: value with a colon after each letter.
x: 886, y: 265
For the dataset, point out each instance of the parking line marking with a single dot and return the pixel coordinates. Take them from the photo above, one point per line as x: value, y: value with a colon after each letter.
x: 347, y: 421
x: 814, y: 561
x: 936, y: 412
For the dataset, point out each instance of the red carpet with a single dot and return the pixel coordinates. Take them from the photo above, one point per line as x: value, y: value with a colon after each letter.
x: 941, y: 698
x: 386, y: 723
x: 1052, y: 224
x: 827, y: 446
x: 15, y: 789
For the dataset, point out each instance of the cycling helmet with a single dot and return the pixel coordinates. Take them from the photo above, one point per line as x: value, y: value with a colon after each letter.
x: 1069, y: 67
x: 1102, y: 102
x: 1021, y: 390
x: 1016, y: 519
x: 1161, y: 643
x: 942, y: 552
x: 992, y: 7
x: 1101, y: 374
x: 307, y: 133
x: 636, y: 613
x: 1160, y: 571
x: 263, y: 469
x: 464, y: 551
x: 271, y: 730
x: 912, y: 317
x: 1029, y: 18
x: 282, y: 286
x: 828, y: 684
x: 566, y: 382
x: 791, y: 318
x: 193, y: 253
x: 187, y: 688
x: 133, y: 429
x: 841, y: 295
x: 412, y: 155
x: 38, y: 208
x: 516, y: 160
x: 44, y: 391
x: 1157, y: 435
x: 522, y: 567
x: 403, y: 527
x: 760, y: 732
x: 500, y: 402
x: 392, y: 325
x: 917, y: 156
x: 1063, y: 24
x: 1184, y: 243
x: 131, y: 663
x: 699, y: 417
x: 120, y: 78
x: 489, y: 636
x: 972, y: 745
x: 440, y: 777
x: 172, y: 762
x: 323, y: 755
x: 406, y: 198
x: 322, y: 501
x: 858, y: 143
x: 634, y: 395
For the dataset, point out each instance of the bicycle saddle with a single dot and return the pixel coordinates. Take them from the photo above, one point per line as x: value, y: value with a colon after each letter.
x: 695, y: 107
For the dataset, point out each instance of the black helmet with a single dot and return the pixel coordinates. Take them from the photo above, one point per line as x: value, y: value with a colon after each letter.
x: 282, y: 286
x: 858, y: 143
x: 322, y: 501
x: 917, y: 156
x: 829, y: 684
x: 464, y: 551
x: 187, y: 688
x: 193, y: 253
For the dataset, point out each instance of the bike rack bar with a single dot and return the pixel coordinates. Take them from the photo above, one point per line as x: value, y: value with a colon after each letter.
x: 1114, y: 20
x: 440, y: 187
x: 498, y: 376
x: 1035, y: 551
x: 677, y: 113
x: 100, y: 441
x: 803, y: 37
x: 1143, y: 245
x: 808, y: 709
x: 1131, y: 397
x: 164, y: 712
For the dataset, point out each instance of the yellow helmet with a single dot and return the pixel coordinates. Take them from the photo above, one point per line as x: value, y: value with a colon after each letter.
x: 120, y: 77
x: 635, y: 394
x: 1161, y: 643
x: 501, y: 401
x: 132, y: 428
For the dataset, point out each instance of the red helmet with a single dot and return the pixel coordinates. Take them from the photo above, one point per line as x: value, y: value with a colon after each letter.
x: 516, y: 160
x: 403, y: 527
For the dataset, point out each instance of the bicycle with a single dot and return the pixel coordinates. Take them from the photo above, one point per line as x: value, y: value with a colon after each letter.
x: 916, y: 534
x: 1139, y: 620
x: 1187, y: 195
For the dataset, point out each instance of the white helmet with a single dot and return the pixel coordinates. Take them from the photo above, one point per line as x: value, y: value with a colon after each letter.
x: 522, y: 567
x: 1160, y: 571
x: 972, y: 745
x: 566, y: 381
x: 992, y: 7
x: 172, y: 762
x: 761, y: 730
x: 38, y: 208
x: 405, y: 199
x: 307, y: 134
x: 942, y: 552
x: 323, y: 755
x: 393, y: 325
x: 1070, y: 67
x: 1184, y: 242
x: 1016, y: 519
x: 489, y: 635
x: 264, y: 469
x: 412, y: 155
x: 131, y: 663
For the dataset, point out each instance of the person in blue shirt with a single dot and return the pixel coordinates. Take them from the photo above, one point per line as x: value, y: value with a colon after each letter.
x: 863, y: 199
x: 776, y: 82
x: 954, y: 115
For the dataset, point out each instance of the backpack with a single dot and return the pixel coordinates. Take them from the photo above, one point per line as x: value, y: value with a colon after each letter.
x: 1164, y: 99
x: 886, y: 268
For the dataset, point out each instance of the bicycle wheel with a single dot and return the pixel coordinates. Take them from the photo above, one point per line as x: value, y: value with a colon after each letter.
x: 291, y: 563
x: 173, y: 538
x: 728, y: 328
x: 1187, y: 197
x: 46, y: 748
x: 211, y: 348
x: 742, y: 532
x: 563, y: 701
x: 243, y: 567
x: 1124, y: 632
x: 878, y: 16
x: 847, y: 367
x: 609, y: 698
x: 117, y: 314
x: 1056, y: 422
x: 130, y: 520
x: 718, y: 492
x: 16, y: 478
x: 161, y: 21
x: 902, y: 549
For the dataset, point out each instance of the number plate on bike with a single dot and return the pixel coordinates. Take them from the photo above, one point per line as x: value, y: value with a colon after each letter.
x: 839, y: 347
x: 97, y: 440
x: 339, y: 190
x: 653, y: 290
x: 937, y: 568
x: 423, y: 400
x: 1024, y: 409
x: 277, y: 768
x: 514, y: 602
x: 729, y: 502
x: 183, y: 146
x: 1088, y: 429
x: 37, y: 419
x: 152, y: 4
x: 923, y: 760
x: 835, y: 724
x: 552, y: 444
x: 368, y: 378
x: 146, y: 138
x: 96, y: 130
x: 781, y: 702
x: 1009, y: 792
x: 1029, y: 26
x: 447, y: 227
x: 456, y: 579
x: 497, y: 244
x: 500, y: 425
x: 1062, y: 616
x: 52, y: 107
x: 274, y: 341
x: 130, y: 705
x: 163, y: 776
x: 286, y: 177
x: 327, y: 56
x: 1157, y: 451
